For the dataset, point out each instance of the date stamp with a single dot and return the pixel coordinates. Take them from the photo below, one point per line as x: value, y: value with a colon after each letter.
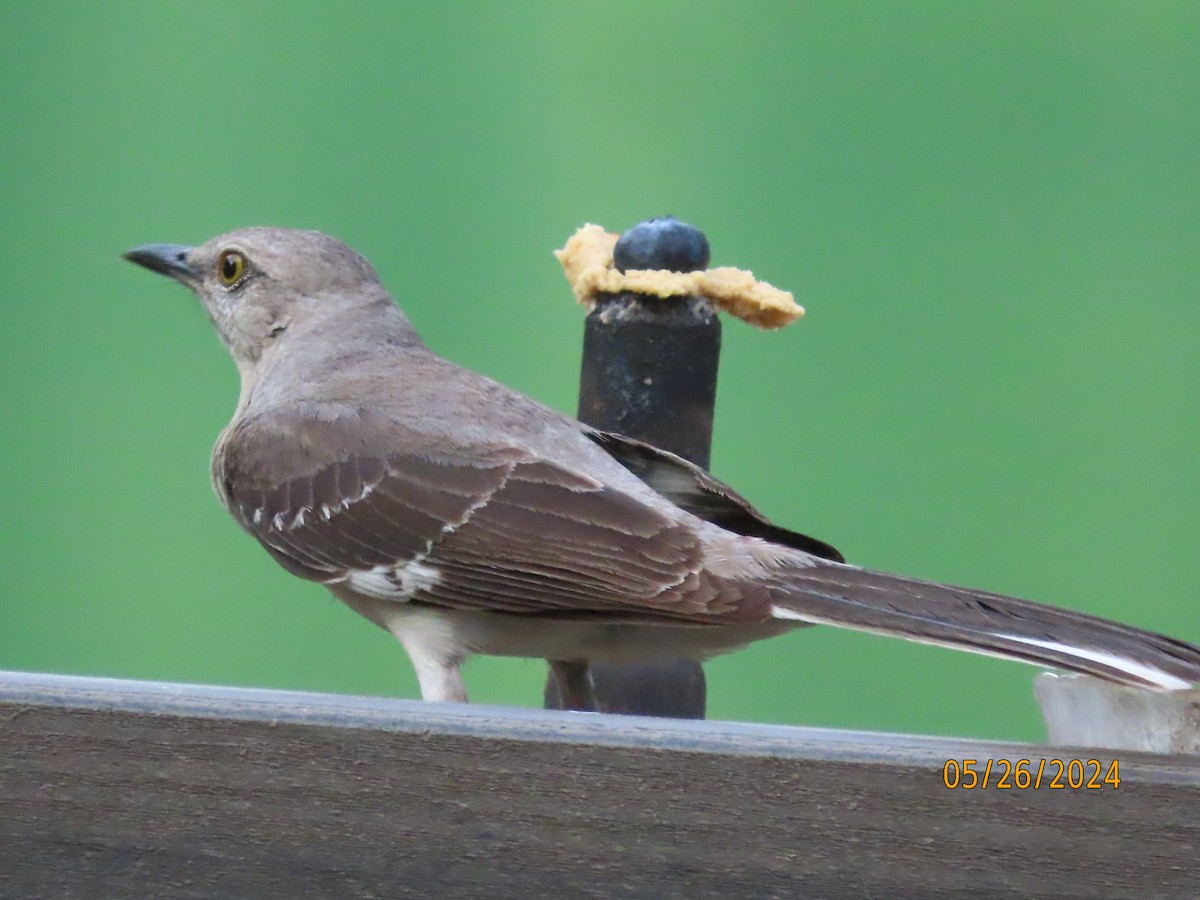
x: 1031, y: 774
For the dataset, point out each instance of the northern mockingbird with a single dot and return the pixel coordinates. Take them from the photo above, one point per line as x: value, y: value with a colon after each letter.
x: 467, y: 518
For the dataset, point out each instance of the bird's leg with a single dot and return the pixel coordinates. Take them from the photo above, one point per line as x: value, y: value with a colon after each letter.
x: 440, y: 679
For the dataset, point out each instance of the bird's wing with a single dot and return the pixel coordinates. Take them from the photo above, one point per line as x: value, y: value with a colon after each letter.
x: 496, y: 527
x: 695, y: 490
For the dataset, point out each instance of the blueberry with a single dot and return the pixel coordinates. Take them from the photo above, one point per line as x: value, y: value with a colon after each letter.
x: 662, y: 243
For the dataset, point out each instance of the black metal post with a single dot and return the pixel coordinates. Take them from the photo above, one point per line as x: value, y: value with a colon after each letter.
x: 649, y: 372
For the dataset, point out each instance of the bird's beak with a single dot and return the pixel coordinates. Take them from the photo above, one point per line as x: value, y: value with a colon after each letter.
x: 165, y: 259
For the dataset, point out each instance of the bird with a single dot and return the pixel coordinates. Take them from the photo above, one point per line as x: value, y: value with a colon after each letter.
x: 467, y: 518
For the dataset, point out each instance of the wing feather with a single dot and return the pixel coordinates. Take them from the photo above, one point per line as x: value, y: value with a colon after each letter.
x: 501, y: 528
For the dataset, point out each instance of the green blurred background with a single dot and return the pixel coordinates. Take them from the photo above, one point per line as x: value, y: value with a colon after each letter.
x: 991, y: 211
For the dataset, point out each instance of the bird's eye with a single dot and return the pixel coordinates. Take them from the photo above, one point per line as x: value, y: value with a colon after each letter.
x: 231, y: 267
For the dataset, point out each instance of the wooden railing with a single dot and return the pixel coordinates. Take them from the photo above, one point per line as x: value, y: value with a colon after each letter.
x: 131, y: 789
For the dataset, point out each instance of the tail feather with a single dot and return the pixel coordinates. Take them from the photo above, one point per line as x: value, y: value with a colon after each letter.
x: 981, y: 622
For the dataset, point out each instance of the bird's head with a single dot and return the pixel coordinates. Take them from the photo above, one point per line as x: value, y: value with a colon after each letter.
x: 258, y: 284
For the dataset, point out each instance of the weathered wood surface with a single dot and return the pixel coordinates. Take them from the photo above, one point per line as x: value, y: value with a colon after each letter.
x: 129, y: 789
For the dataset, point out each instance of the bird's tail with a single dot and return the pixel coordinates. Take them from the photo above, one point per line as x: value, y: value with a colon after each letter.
x: 829, y: 593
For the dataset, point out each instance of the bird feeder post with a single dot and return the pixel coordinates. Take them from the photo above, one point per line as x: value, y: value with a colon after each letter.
x: 649, y: 372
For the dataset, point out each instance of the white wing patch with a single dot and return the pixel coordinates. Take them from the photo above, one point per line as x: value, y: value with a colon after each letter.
x: 396, y: 583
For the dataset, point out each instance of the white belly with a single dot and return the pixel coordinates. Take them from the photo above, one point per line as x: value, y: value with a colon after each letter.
x: 463, y: 633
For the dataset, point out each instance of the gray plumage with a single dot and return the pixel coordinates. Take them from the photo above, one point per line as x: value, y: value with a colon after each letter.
x: 467, y: 518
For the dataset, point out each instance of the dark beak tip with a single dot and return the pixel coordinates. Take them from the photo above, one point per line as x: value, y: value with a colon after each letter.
x: 165, y: 259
